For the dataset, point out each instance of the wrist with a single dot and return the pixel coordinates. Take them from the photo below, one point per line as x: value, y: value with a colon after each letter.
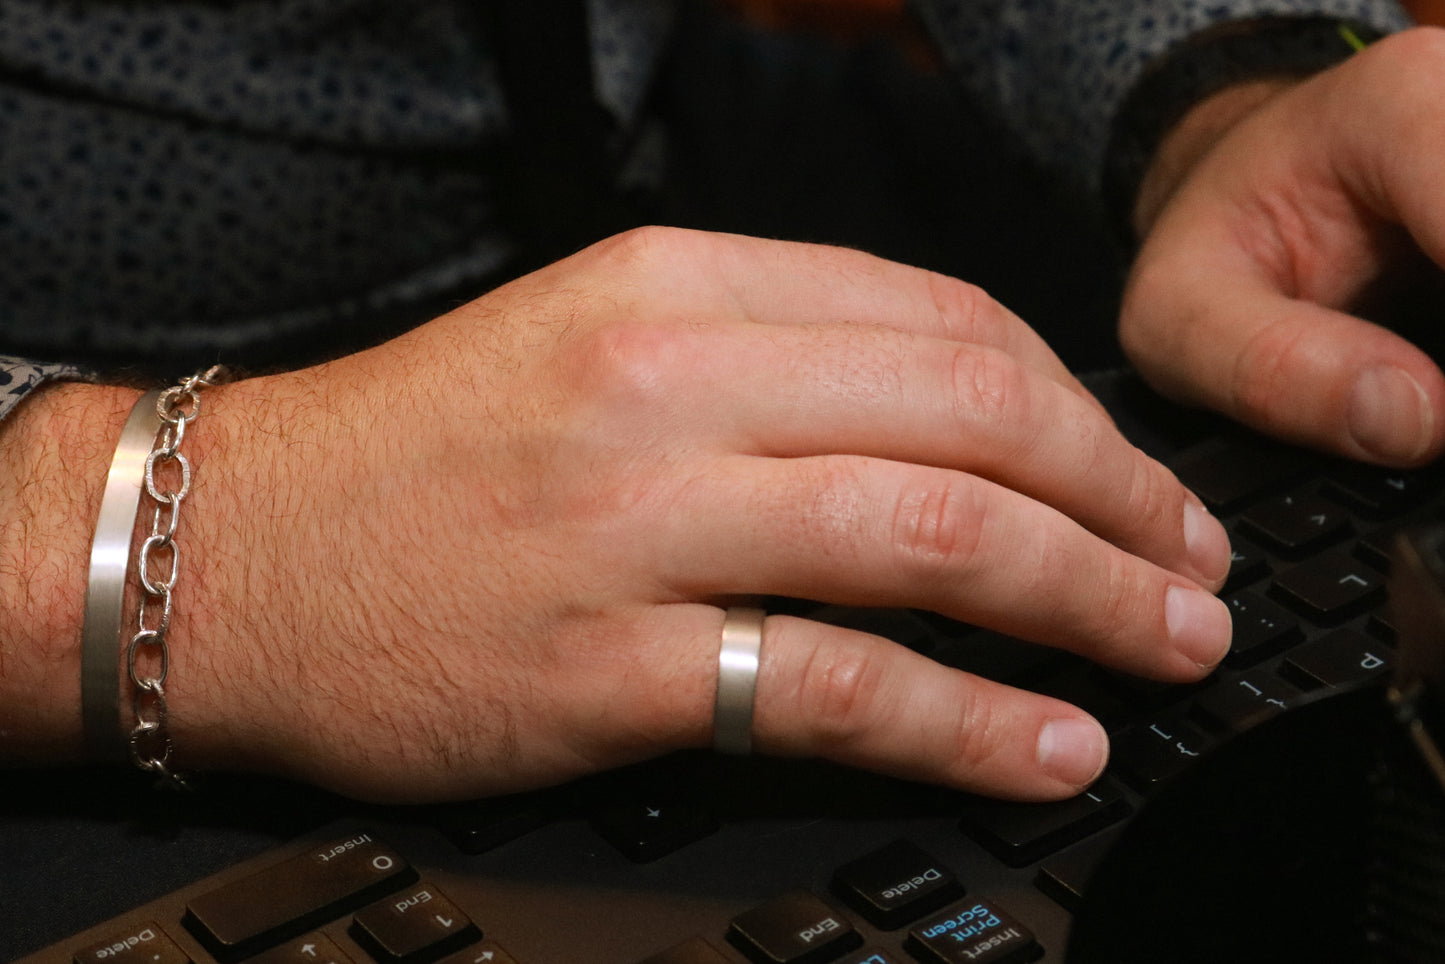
x: 58, y: 445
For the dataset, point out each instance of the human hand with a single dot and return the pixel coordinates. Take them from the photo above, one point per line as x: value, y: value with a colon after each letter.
x: 488, y: 555
x: 1262, y: 234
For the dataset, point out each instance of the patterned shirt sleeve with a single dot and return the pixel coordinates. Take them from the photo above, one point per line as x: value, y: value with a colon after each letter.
x: 1059, y: 70
x: 19, y: 377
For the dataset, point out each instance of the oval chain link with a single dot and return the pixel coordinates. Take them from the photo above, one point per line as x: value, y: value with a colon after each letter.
x: 150, y: 740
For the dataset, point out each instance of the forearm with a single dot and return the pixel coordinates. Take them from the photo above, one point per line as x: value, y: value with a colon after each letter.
x: 57, y: 448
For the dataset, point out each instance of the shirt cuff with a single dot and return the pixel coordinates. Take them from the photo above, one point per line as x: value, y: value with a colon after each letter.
x: 19, y: 377
x: 1268, y: 48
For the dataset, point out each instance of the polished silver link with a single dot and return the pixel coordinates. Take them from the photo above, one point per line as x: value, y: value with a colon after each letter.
x: 150, y: 739
x: 173, y: 517
x: 148, y: 637
x: 151, y: 586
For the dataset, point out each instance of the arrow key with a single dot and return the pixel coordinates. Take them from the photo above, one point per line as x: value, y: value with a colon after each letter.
x: 314, y: 948
x: 412, y: 925
x: 487, y: 952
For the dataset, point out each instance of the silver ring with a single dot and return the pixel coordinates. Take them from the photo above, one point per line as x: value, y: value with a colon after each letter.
x: 737, y: 679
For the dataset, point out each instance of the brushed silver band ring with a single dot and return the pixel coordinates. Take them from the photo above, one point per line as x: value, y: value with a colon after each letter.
x: 737, y: 679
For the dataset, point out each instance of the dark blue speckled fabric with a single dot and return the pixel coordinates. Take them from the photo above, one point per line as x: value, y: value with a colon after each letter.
x: 215, y: 173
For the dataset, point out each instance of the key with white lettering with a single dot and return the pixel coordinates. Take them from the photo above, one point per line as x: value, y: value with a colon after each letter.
x: 487, y: 952
x: 1149, y: 753
x: 1238, y: 704
x: 1261, y: 628
x: 315, y: 948
x: 1296, y: 524
x: 297, y: 895
x: 143, y: 944
x: 895, y: 884
x: 1330, y: 588
x: 1341, y: 658
x: 410, y: 924
x: 1021, y: 833
x: 796, y: 928
x: 974, y: 932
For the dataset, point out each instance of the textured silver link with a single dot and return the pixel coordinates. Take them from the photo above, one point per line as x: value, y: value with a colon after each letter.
x: 150, y: 739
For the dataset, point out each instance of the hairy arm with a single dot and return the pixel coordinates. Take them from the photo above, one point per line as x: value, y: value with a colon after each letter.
x: 57, y: 446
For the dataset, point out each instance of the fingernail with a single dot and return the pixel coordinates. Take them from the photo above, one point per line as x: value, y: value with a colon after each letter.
x: 1199, y: 625
x: 1390, y: 416
x: 1206, y: 542
x: 1073, y: 750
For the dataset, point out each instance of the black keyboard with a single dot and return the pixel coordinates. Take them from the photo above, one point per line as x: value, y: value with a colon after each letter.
x: 697, y: 859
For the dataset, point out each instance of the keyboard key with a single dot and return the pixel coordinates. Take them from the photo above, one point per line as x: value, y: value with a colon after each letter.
x: 1236, y: 705
x: 695, y: 951
x: 1377, y: 492
x: 1294, y: 525
x: 487, y: 952
x: 976, y: 932
x: 896, y: 884
x: 1376, y: 548
x: 1248, y: 563
x: 413, y: 923
x: 796, y: 928
x: 1065, y: 877
x: 477, y: 826
x: 649, y: 829
x: 314, y: 948
x: 1383, y: 624
x: 146, y: 944
x: 296, y: 895
x: 1261, y: 628
x: 1021, y: 833
x: 1343, y: 657
x: 1330, y: 588
x: 1229, y: 473
x: 1086, y: 687
x: 871, y: 955
x: 1148, y: 754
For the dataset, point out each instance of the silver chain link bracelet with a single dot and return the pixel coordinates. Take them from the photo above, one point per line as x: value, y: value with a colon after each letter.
x: 159, y: 565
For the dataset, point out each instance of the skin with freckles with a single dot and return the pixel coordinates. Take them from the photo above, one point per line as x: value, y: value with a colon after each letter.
x: 490, y: 554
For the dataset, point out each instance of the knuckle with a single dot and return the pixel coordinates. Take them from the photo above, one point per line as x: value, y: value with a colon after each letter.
x: 1117, y: 609
x: 1154, y: 500
x: 1261, y: 373
x: 988, y: 386
x: 646, y: 250
x: 977, y: 737
x: 965, y: 311
x: 629, y: 359
x: 841, y: 693
x: 938, y: 528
